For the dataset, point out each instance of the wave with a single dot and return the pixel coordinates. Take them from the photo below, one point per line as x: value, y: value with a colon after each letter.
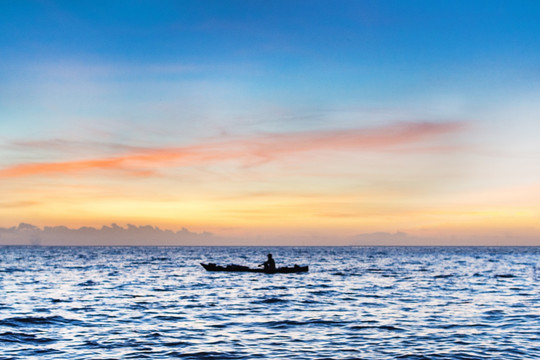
x: 377, y: 327
x: 271, y: 301
x: 24, y: 338
x: 39, y: 321
x: 505, y: 276
x: 208, y: 355
x: 284, y: 324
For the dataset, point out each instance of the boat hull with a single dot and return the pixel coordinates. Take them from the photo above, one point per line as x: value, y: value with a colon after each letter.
x: 240, y: 268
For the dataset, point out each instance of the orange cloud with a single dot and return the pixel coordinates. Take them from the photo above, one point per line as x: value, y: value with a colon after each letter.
x: 259, y: 148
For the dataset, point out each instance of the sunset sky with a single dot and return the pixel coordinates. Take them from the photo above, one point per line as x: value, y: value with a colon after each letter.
x: 273, y: 119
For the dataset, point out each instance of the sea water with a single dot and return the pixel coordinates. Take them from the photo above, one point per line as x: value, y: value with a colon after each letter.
x: 355, y: 303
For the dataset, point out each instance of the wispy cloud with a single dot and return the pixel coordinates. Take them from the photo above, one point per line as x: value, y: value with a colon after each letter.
x: 17, y: 204
x: 63, y: 145
x: 254, y: 149
x: 70, y: 70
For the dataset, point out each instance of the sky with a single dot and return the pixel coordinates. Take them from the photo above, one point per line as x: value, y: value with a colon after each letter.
x: 274, y: 122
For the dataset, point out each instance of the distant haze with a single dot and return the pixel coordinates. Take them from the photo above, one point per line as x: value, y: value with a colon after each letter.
x: 114, y: 235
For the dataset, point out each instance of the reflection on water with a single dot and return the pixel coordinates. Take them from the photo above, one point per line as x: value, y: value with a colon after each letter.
x: 373, y: 303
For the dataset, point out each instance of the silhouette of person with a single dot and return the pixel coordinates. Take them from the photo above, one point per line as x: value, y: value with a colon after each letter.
x: 270, y: 264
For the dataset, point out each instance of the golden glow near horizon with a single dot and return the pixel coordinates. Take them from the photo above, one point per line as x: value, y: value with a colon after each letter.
x: 330, y: 191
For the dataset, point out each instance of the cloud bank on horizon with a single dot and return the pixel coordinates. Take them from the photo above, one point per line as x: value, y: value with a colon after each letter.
x: 113, y: 235
x: 274, y: 120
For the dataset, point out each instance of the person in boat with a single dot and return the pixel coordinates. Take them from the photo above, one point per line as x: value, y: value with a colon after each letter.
x: 270, y: 264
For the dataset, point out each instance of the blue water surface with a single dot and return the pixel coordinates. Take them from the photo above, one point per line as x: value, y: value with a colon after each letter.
x: 355, y: 303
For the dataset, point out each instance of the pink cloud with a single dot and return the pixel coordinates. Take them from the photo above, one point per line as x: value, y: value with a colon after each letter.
x: 258, y: 148
x: 382, y: 138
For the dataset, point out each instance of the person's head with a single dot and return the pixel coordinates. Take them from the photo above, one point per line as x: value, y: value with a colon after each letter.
x: 269, y: 256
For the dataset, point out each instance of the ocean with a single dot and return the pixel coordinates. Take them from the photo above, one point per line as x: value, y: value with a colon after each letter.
x: 354, y: 303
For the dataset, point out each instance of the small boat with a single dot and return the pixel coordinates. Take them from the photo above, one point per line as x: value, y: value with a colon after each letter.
x: 240, y: 268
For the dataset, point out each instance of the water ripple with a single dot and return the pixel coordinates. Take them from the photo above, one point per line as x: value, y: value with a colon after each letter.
x: 355, y: 303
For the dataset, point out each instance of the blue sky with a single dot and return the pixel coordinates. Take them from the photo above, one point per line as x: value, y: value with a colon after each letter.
x: 83, y: 81
x: 356, y: 45
x: 304, y: 55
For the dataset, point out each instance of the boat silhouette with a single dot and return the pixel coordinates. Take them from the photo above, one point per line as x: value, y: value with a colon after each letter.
x: 241, y: 268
